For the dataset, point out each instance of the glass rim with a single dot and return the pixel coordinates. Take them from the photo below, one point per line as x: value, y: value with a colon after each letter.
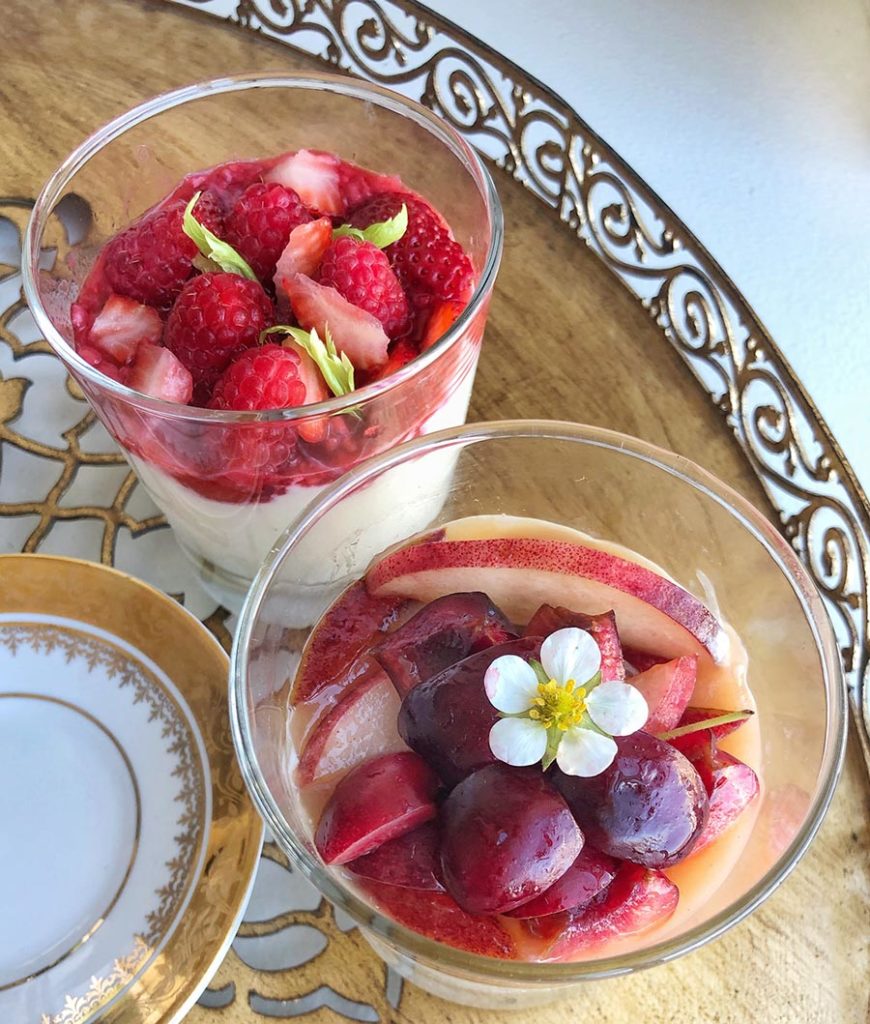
x: 530, y: 972
x: 343, y: 85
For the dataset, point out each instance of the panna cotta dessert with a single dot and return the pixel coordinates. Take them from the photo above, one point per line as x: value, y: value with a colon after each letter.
x: 262, y: 296
x: 526, y: 743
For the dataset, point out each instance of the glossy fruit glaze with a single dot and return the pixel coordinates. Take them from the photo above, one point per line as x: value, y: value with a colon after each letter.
x: 519, y: 862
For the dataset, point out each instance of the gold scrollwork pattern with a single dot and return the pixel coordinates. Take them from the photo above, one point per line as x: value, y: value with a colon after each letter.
x: 531, y: 134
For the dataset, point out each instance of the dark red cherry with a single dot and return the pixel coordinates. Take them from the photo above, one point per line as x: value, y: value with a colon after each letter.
x: 447, y: 719
x: 506, y: 836
x: 648, y: 807
x: 442, y: 632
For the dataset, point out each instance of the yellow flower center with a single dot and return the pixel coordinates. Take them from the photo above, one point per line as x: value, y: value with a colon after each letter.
x: 559, y: 706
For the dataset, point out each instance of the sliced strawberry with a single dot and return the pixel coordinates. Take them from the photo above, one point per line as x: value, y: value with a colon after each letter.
x: 160, y: 374
x: 305, y: 248
x: 122, y: 325
x: 402, y: 352
x: 103, y: 363
x: 441, y: 319
x: 313, y: 174
x: 667, y: 688
x: 312, y: 430
x: 356, y: 333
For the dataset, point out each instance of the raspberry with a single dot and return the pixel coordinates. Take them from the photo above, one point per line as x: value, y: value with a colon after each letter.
x: 260, y: 223
x: 265, y: 377
x: 361, y: 272
x: 427, y: 261
x: 356, y: 184
x: 151, y: 260
x: 215, y: 317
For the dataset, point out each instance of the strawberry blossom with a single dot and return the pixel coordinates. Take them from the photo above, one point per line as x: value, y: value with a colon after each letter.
x: 559, y: 709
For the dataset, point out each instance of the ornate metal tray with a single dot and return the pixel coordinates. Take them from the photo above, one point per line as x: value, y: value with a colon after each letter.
x: 65, y: 489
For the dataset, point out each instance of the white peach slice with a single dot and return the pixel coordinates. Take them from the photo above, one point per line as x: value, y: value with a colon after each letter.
x: 667, y: 688
x: 362, y: 725
x: 520, y: 574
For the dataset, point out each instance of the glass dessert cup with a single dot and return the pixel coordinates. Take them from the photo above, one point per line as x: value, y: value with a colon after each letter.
x: 623, y: 491
x: 227, y: 523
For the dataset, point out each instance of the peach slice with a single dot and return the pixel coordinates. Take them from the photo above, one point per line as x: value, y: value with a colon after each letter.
x: 668, y: 688
x: 362, y: 725
x: 349, y: 627
x: 635, y: 900
x: 380, y: 800
x: 520, y: 574
x: 438, y: 916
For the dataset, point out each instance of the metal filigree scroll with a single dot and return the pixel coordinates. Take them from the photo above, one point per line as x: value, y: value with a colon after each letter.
x: 532, y: 135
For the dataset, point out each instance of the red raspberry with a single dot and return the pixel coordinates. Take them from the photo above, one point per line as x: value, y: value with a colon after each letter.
x: 260, y: 223
x: 215, y: 317
x: 361, y: 272
x: 428, y: 262
x: 265, y: 377
x: 151, y: 260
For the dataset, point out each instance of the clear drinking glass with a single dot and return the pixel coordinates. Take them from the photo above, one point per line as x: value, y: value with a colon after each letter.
x: 226, y: 524
x: 616, y: 488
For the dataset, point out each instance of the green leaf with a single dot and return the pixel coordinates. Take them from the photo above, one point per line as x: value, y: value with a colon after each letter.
x: 539, y: 670
x: 220, y: 255
x: 381, y: 234
x: 554, y: 738
x: 337, y: 369
x: 590, y: 684
x: 707, y: 723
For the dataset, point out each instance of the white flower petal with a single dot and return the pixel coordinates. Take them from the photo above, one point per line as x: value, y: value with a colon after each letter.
x: 510, y: 684
x: 570, y: 654
x: 617, y: 708
x: 585, y: 753
x: 518, y: 741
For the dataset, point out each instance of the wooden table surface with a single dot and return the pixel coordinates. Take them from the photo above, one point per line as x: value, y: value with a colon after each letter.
x: 69, y: 66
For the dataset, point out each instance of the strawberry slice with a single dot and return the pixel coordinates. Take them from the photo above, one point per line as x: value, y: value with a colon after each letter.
x: 313, y: 174
x: 305, y: 248
x: 122, y: 325
x: 160, y: 374
x: 441, y: 319
x: 356, y: 333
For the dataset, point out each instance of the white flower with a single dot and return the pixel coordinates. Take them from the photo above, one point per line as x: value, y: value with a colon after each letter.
x: 560, y: 709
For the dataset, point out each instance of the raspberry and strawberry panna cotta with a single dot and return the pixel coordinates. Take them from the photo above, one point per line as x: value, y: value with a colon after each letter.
x: 525, y: 743
x: 270, y: 285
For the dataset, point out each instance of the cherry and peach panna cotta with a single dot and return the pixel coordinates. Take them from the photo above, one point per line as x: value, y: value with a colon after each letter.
x: 269, y: 285
x: 500, y: 742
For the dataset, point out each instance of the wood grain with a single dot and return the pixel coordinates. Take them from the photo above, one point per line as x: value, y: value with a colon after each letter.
x: 565, y: 340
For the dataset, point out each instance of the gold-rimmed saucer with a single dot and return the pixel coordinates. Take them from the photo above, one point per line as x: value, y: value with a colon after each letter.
x: 128, y: 843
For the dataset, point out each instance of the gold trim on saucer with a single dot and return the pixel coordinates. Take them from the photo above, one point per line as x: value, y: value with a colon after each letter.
x: 180, y: 745
x: 158, y: 627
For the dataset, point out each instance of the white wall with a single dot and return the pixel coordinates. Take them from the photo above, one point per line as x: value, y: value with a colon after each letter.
x: 751, y: 118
